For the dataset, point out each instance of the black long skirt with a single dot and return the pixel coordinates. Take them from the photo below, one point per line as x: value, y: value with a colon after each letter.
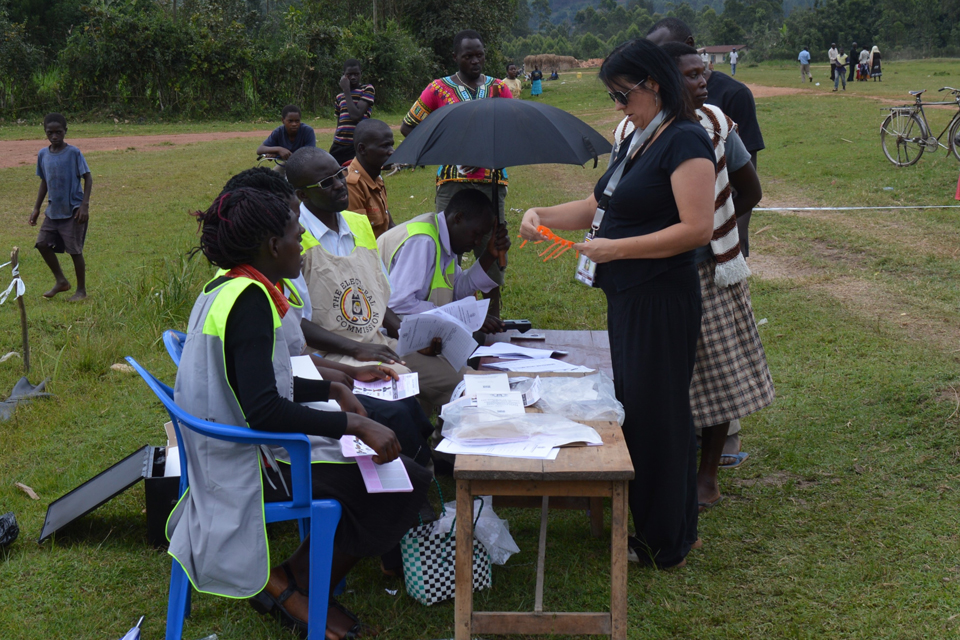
x: 371, y: 524
x: 654, y: 329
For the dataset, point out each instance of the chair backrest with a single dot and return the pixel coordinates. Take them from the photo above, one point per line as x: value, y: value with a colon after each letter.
x: 173, y: 341
x: 296, y: 444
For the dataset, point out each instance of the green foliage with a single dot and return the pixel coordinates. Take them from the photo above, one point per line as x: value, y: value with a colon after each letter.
x: 18, y: 60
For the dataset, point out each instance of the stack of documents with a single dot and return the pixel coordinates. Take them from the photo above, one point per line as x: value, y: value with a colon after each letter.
x: 453, y: 323
x: 378, y: 478
x: 527, y: 359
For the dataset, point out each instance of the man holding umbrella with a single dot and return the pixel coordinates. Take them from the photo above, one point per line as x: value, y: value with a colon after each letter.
x: 468, y: 83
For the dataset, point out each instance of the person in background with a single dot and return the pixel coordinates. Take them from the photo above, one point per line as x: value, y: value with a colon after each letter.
x: 289, y: 136
x: 554, y: 75
x: 536, y: 82
x: 468, y: 83
x: 237, y: 371
x: 705, y: 57
x: 852, y: 58
x: 864, y: 67
x: 832, y: 54
x: 354, y: 103
x: 840, y: 64
x: 804, y: 60
x: 373, y: 141
x: 513, y: 80
x: 733, y: 62
x: 61, y: 167
x: 730, y: 378
x: 735, y: 100
x: 661, y: 210
x: 421, y: 256
x: 874, y: 61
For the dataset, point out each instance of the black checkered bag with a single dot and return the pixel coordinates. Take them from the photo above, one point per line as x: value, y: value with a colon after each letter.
x: 429, y: 561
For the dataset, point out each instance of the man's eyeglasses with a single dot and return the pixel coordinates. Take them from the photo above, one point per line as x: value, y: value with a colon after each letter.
x: 623, y: 96
x: 327, y: 182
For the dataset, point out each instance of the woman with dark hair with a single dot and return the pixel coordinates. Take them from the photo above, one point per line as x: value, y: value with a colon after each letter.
x: 648, y: 213
x: 236, y: 369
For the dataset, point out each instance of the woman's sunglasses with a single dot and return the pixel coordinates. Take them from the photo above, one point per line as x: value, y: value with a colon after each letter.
x: 327, y: 182
x: 623, y: 96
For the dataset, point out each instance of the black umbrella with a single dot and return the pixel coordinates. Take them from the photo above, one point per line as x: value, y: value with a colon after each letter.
x: 497, y: 133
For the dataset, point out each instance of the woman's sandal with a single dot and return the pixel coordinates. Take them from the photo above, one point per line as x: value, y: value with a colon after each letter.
x: 265, y: 603
x: 358, y: 629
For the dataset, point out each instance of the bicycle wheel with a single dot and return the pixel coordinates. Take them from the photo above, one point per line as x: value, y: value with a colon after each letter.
x: 954, y: 142
x: 902, y: 137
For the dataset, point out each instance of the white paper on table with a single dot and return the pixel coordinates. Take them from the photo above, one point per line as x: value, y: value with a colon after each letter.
x: 512, y: 351
x: 538, y: 365
x: 406, y: 386
x: 418, y: 331
x: 305, y: 369
x: 531, y: 389
x: 469, y: 312
x: 503, y: 404
x: 494, y: 383
x: 530, y: 449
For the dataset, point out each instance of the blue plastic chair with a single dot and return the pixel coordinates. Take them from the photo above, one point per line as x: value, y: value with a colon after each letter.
x: 323, y: 514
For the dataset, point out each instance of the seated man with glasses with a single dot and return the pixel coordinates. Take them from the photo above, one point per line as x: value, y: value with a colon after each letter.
x: 345, y: 285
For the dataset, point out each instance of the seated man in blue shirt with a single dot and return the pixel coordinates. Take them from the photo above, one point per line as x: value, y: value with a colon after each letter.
x: 288, y: 137
x: 421, y: 256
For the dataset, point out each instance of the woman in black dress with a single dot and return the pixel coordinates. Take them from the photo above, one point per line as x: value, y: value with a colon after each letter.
x: 661, y: 210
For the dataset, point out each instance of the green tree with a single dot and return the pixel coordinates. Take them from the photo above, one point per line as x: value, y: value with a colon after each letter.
x: 541, y: 12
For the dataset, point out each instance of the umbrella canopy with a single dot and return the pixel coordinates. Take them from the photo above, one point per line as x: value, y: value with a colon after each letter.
x: 501, y: 132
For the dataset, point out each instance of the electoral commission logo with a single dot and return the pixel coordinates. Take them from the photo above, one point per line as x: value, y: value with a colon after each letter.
x: 356, y: 307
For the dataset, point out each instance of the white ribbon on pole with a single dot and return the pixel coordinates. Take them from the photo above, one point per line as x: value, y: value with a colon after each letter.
x: 16, y: 282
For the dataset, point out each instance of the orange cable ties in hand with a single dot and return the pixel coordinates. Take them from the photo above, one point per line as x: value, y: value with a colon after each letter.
x: 555, y: 250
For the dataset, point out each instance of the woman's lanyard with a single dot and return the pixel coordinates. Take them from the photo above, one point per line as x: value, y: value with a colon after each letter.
x: 587, y: 268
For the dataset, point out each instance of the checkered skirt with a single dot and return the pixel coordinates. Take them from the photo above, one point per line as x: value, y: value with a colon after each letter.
x: 730, y: 378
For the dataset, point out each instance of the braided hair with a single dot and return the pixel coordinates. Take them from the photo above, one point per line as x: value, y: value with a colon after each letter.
x: 236, y: 224
x: 263, y: 179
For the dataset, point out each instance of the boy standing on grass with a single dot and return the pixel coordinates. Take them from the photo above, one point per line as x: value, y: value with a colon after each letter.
x: 353, y: 105
x: 64, y: 229
x: 513, y: 82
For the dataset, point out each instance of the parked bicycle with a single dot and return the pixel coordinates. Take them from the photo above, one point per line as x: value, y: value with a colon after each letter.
x: 906, y: 134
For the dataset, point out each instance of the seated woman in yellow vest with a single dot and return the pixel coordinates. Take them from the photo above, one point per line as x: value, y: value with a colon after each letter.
x: 346, y: 283
x: 236, y: 370
x: 421, y: 256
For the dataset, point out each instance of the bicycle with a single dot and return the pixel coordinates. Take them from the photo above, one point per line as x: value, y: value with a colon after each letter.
x: 910, y: 135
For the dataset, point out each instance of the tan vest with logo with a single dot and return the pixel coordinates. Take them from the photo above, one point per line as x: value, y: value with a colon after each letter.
x: 349, y: 294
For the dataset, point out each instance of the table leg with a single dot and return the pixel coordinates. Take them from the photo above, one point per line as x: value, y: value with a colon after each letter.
x: 596, y: 517
x: 464, y: 562
x: 618, y: 563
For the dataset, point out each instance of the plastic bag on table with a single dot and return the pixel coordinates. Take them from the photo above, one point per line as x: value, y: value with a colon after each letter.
x: 491, y: 530
x: 474, y: 426
x: 587, y: 398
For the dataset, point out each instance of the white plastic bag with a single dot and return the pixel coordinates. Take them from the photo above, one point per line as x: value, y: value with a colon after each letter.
x: 492, y: 531
x: 586, y: 398
x: 474, y: 426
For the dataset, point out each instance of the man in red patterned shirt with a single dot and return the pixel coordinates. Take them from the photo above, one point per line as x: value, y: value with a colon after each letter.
x: 468, y: 83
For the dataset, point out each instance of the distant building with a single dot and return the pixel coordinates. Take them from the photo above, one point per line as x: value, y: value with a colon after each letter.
x: 721, y: 53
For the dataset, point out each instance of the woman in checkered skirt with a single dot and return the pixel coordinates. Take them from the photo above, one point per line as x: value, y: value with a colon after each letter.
x: 730, y: 377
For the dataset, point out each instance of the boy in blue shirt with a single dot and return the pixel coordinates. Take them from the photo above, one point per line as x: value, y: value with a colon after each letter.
x: 60, y: 168
x: 288, y: 137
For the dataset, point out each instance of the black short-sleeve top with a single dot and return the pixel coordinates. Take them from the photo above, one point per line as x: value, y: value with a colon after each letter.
x: 643, y: 201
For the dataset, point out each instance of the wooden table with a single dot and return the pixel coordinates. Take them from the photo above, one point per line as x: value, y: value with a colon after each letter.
x: 596, y: 472
x: 589, y: 348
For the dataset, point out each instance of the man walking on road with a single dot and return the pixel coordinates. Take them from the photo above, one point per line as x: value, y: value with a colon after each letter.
x: 804, y: 60
x: 733, y: 62
x: 840, y: 64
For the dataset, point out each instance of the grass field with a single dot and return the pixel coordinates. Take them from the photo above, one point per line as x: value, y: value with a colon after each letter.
x: 842, y: 524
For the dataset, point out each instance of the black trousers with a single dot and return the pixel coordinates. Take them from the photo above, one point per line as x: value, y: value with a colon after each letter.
x: 654, y: 329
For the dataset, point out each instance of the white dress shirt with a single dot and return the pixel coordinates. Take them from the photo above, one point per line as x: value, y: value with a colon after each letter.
x: 412, y: 267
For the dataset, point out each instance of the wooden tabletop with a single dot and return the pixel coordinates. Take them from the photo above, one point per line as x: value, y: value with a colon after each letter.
x: 589, y: 348
x: 608, y: 462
